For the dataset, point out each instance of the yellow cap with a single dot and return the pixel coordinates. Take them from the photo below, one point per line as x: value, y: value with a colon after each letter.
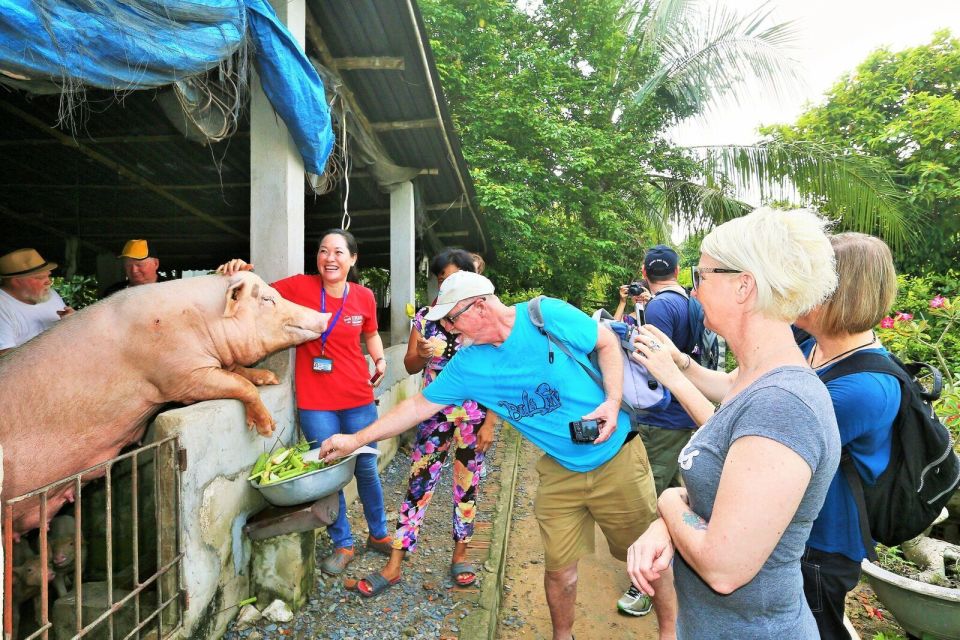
x: 136, y: 249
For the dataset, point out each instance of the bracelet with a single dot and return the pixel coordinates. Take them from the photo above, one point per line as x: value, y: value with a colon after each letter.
x: 687, y: 365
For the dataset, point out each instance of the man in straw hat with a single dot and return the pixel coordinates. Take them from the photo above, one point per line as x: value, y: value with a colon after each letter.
x: 507, y: 364
x: 139, y: 266
x: 28, y: 304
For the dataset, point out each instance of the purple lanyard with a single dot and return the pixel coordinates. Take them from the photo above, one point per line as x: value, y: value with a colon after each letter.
x: 323, y: 309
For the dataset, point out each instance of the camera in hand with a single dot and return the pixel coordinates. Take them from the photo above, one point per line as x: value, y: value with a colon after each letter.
x: 585, y: 431
x: 635, y: 288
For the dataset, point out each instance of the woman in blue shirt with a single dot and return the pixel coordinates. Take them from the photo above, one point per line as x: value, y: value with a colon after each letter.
x: 865, y: 404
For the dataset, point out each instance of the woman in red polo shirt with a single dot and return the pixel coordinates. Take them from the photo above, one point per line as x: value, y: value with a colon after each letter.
x: 334, y: 392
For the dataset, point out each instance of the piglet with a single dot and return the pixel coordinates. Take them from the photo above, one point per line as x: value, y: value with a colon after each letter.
x: 63, y: 554
x: 28, y: 576
x: 75, y: 395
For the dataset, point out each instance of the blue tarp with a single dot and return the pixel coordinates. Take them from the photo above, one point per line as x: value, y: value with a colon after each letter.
x: 141, y: 44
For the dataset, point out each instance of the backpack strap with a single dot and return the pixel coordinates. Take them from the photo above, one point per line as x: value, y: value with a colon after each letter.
x: 856, y: 488
x: 536, y: 317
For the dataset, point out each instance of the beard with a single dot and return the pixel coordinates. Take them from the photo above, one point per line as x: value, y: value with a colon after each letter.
x: 465, y: 341
x: 41, y: 297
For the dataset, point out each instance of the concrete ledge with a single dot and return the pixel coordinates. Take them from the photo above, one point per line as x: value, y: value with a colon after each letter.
x: 481, y: 623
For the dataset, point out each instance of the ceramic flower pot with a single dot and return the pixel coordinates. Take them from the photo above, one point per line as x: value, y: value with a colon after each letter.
x: 923, y: 610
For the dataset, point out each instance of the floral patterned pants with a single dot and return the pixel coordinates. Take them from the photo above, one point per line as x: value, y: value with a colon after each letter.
x: 454, y: 427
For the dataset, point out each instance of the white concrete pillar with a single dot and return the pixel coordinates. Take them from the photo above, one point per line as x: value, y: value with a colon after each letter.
x: 276, y: 174
x: 402, y: 238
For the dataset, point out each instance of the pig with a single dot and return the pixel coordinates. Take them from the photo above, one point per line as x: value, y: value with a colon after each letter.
x: 27, y: 581
x: 75, y: 395
x: 63, y: 554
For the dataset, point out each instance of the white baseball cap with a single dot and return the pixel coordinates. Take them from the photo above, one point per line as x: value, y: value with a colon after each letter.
x: 458, y: 286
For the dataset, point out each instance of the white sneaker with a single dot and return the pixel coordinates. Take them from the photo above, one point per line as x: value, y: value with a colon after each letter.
x: 635, y: 602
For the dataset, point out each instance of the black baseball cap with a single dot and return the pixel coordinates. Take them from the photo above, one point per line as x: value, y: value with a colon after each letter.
x: 661, y: 260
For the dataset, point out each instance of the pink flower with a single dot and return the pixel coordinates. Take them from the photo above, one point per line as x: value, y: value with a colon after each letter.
x: 903, y: 317
x: 937, y: 302
x: 886, y: 323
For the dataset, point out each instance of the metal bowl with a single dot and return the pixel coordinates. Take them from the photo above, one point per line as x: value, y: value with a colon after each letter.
x: 310, y: 486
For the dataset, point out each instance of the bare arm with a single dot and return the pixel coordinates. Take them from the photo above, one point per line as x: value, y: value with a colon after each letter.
x: 375, y: 349
x: 611, y: 369
x: 621, y: 306
x: 713, y: 384
x: 760, y: 490
x: 418, y: 352
x: 408, y: 413
x: 659, y: 362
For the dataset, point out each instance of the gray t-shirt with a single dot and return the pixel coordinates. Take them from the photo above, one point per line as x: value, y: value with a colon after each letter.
x: 791, y: 406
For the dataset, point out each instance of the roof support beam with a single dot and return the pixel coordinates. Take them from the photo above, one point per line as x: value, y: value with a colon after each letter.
x: 378, y: 63
x: 132, y: 139
x: 51, y: 229
x: 120, y: 169
x: 129, y: 187
x: 404, y: 125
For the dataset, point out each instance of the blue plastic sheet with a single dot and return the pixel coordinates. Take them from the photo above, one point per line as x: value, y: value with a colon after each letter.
x: 140, y: 44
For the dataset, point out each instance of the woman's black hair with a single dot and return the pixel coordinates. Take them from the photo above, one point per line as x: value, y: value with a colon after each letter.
x: 448, y: 256
x: 353, y: 275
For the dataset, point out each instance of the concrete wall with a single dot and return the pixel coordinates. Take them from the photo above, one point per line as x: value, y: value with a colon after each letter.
x: 216, y: 499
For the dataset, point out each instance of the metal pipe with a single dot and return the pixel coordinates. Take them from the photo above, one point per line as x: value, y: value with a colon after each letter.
x: 109, y: 534
x: 44, y: 567
x: 451, y: 156
x: 78, y: 556
x: 8, y: 572
x: 135, y: 514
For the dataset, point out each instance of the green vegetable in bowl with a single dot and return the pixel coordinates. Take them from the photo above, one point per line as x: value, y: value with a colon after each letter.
x: 285, y: 463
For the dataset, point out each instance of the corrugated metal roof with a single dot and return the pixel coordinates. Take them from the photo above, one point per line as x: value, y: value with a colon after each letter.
x: 127, y: 172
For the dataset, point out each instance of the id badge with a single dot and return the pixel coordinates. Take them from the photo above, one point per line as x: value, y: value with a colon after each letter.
x: 323, y: 365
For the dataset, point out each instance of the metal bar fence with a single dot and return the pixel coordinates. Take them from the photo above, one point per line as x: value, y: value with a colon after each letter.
x: 166, y: 614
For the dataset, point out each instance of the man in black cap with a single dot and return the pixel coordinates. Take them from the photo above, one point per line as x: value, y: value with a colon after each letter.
x: 664, y: 433
x: 28, y: 303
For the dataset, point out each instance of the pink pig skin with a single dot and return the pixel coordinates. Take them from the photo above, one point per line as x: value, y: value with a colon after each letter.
x: 77, y: 394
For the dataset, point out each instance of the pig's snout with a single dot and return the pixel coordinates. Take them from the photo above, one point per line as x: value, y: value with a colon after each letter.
x: 309, y: 325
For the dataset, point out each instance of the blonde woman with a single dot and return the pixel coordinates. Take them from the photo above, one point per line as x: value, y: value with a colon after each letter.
x: 756, y: 473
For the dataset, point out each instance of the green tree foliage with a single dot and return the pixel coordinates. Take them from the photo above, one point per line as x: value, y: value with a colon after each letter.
x: 563, y: 107
x: 904, y: 108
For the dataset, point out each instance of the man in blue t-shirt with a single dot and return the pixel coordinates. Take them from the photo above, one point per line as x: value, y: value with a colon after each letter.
x: 504, y: 364
x: 664, y: 433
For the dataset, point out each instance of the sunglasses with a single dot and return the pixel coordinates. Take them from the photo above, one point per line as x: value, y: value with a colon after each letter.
x: 697, y: 273
x: 453, y: 318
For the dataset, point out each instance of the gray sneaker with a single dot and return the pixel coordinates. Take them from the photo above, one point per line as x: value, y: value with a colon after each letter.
x: 635, y: 602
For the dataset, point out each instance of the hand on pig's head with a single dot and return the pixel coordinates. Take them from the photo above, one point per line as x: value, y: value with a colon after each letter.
x: 263, y: 321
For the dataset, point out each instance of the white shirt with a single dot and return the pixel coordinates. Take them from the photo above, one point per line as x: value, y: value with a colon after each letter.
x: 20, y: 321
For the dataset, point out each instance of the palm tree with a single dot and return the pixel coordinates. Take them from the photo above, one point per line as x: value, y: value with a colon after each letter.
x: 703, y: 56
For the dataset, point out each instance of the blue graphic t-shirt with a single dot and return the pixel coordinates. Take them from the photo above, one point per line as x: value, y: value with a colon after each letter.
x: 540, y: 399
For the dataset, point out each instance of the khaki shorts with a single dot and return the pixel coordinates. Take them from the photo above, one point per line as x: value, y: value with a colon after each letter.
x: 619, y: 496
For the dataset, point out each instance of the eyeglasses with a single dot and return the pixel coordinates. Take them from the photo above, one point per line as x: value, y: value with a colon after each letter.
x: 698, y: 272
x: 451, y: 319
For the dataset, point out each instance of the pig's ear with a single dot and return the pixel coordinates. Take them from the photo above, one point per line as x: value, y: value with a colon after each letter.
x: 234, y: 293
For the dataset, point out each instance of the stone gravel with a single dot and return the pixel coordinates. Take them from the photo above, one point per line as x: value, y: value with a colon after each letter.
x: 420, y: 606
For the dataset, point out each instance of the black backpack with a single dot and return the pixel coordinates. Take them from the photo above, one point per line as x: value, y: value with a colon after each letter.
x: 704, y: 344
x: 923, y: 471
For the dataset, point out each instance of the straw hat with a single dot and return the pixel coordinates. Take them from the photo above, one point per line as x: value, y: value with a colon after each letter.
x: 136, y: 249
x: 23, y: 262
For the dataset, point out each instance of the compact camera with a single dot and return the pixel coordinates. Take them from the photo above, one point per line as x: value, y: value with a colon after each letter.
x: 584, y: 431
x: 635, y: 288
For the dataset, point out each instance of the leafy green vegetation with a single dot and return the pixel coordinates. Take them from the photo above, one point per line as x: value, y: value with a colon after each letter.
x: 76, y: 291
x: 564, y: 110
x: 903, y: 107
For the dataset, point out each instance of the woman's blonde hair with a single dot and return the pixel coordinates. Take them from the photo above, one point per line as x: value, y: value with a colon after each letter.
x: 867, y: 286
x: 787, y: 252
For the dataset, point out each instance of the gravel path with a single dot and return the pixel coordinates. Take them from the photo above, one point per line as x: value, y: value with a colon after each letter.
x: 424, y: 605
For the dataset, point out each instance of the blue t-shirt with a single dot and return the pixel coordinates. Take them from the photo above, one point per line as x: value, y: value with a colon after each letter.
x: 865, y: 405
x: 540, y: 399
x: 668, y: 312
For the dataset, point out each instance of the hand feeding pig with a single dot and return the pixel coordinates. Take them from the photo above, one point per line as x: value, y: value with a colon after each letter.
x: 76, y: 395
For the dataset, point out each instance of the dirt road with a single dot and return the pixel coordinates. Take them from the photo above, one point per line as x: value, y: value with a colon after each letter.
x: 524, y: 614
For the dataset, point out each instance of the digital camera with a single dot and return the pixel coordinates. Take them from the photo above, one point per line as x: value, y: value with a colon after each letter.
x: 635, y: 289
